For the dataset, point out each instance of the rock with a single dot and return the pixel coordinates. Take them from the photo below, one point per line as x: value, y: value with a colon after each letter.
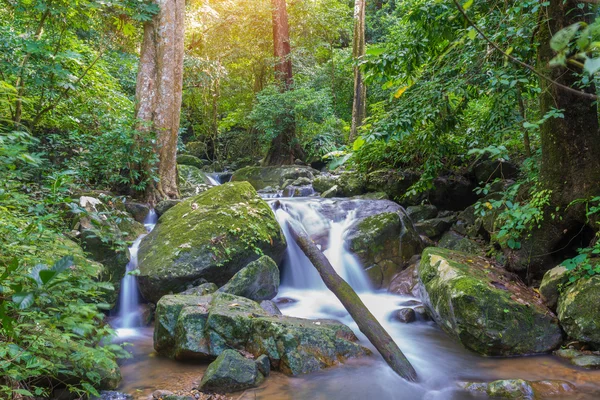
x: 176, y: 397
x: 406, y: 282
x: 164, y: 205
x: 301, y: 181
x: 158, y: 394
x: 324, y: 182
x: 191, y: 327
x: 208, y: 237
x: 231, y: 372
x: 520, y: 389
x: 332, y: 192
x: 454, y: 241
x: 264, y: 365
x: 485, y: 307
x: 298, y: 191
x: 139, y: 211
x: 201, y: 290
x: 489, y: 170
x: 196, y: 149
x: 422, y: 212
x: 146, y: 313
x: 583, y: 359
x: 350, y: 183
x: 261, y: 177
x: 372, y: 196
x: 111, y: 395
x: 258, y: 281
x: 192, y: 181
x: 551, y: 283
x: 578, y: 312
x: 393, y: 182
x: 435, y: 227
x: 270, y: 307
x: 384, y: 243
x: 421, y: 313
x: 405, y: 315
x: 452, y: 192
x: 188, y: 159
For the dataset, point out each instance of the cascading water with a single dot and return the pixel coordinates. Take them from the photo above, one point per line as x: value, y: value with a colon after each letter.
x: 213, y: 179
x: 128, y: 317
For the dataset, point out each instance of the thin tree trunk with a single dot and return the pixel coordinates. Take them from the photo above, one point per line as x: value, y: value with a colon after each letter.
x: 359, y: 105
x: 526, y: 140
x: 366, y: 322
x: 159, y: 91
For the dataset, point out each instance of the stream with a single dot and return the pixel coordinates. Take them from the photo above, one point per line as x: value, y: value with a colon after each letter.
x: 439, y: 361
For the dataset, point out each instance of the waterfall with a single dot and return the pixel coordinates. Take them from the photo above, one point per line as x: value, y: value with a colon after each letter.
x: 214, y: 179
x: 129, y: 317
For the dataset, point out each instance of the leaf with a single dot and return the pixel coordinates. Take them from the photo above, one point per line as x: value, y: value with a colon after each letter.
x: 592, y: 65
x: 358, y: 143
x: 400, y: 91
x: 23, y: 300
x: 561, y: 39
x: 47, y: 275
x: 472, y: 34
x: 375, y: 51
x: 468, y: 4
x: 63, y: 264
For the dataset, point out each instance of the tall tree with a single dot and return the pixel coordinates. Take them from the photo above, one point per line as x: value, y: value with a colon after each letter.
x: 359, y: 106
x: 159, y: 90
x: 284, y: 147
x: 570, y: 165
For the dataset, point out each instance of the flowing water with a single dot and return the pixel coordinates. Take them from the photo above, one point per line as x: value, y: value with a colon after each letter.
x: 128, y: 317
x: 439, y: 360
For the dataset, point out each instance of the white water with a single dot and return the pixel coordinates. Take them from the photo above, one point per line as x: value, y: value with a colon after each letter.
x: 129, y: 297
x: 213, y: 179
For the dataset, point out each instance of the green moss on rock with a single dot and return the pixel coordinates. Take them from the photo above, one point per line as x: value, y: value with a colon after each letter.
x: 231, y: 372
x: 258, y: 281
x: 208, y: 237
x: 578, y: 310
x: 262, y: 177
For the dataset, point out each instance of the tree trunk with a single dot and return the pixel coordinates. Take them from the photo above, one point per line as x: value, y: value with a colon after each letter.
x: 159, y: 91
x: 284, y: 148
x: 366, y: 322
x: 570, y: 147
x: 359, y: 105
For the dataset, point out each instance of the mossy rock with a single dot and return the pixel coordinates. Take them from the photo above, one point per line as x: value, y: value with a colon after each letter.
x: 164, y: 205
x: 192, y: 327
x: 384, y: 243
x: 351, y: 183
x: 192, y: 181
x: 257, y: 281
x: 188, y: 159
x: 196, y: 149
x: 453, y: 241
x: 208, y: 237
x: 434, y: 228
x: 422, y: 212
x: 324, y: 182
x: 521, y: 389
x: 231, y: 372
x: 552, y: 283
x: 393, y: 182
x: 584, y: 359
x: 485, y: 307
x: 578, y: 311
x: 261, y: 177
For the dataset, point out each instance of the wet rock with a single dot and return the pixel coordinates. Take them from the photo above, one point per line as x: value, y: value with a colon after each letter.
x: 421, y: 313
x: 270, y: 307
x: 422, y: 212
x: 454, y: 241
x: 551, y: 283
x: 324, y: 182
x: 485, y: 307
x: 433, y: 228
x: 520, y: 389
x: 146, y: 313
x: 393, y: 182
x: 201, y: 290
x: 298, y: 191
x: 208, y: 237
x: 331, y: 192
x: 164, y: 205
x: 188, y: 159
x: 261, y: 177
x: 301, y: 181
x: 584, y: 359
x: 258, y: 281
x: 384, y: 243
x: 190, y: 327
x: 405, y: 315
x: 139, y: 211
x: 489, y: 170
x: 406, y: 282
x: 264, y: 365
x: 192, y: 181
x: 350, y: 183
x: 576, y: 311
x: 231, y: 372
x: 158, y: 394
x: 111, y: 395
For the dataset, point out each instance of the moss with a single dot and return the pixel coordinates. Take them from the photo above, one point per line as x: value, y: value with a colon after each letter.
x: 210, y: 236
x: 580, y: 320
x: 187, y: 159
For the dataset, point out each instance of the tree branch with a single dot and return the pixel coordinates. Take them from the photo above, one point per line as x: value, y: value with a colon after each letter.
x: 521, y: 63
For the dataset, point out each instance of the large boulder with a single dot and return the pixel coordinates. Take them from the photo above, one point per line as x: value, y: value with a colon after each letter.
x: 187, y: 159
x: 485, y: 307
x: 552, y: 283
x: 350, y: 183
x: 192, y: 181
x: 578, y: 310
x: 384, y: 243
x: 231, y: 372
x: 192, y: 327
x: 261, y: 177
x: 393, y: 182
x: 422, y: 212
x: 453, y: 241
x: 258, y: 281
x: 451, y: 192
x: 325, y: 182
x: 488, y: 170
x: 208, y: 237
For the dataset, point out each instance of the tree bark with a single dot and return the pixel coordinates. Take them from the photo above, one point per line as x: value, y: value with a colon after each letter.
x: 359, y: 105
x: 366, y: 322
x: 159, y: 91
x: 570, y: 165
x: 284, y: 148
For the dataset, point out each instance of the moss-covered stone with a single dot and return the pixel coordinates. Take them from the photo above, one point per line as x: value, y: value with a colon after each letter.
x: 188, y: 159
x: 552, y: 283
x: 261, y: 177
x: 393, y: 182
x: 454, y: 241
x: 189, y: 327
x: 201, y: 290
x: 231, y: 372
x: 192, y: 181
x: 208, y: 237
x: 422, y: 212
x: 521, y: 389
x: 351, y: 183
x: 331, y: 192
x: 258, y: 281
x: 324, y: 182
x: 196, y: 149
x: 578, y: 310
x: 484, y: 306
x: 372, y: 196
x: 138, y: 211
x: 583, y: 359
x: 433, y: 228
x: 384, y: 243
x: 164, y: 205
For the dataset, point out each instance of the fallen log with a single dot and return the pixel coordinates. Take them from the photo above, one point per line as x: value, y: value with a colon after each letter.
x: 366, y: 322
